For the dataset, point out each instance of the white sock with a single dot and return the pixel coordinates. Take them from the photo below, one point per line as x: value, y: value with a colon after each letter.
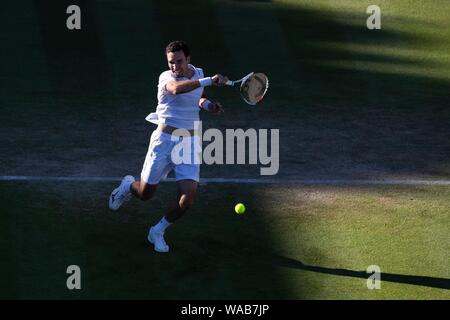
x: 162, y: 225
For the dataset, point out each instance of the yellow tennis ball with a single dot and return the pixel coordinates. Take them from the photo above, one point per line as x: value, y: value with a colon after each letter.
x: 239, y: 208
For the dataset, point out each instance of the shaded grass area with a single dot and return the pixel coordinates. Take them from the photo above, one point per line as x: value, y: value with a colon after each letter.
x: 350, y: 103
x: 293, y: 242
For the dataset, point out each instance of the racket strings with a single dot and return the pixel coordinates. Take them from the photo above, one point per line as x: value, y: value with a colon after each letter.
x: 254, y: 88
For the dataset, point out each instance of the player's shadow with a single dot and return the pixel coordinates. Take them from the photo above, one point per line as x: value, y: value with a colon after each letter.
x: 432, y: 282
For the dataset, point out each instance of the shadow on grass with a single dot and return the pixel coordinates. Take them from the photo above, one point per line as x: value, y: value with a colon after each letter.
x: 338, y: 119
x: 335, y: 121
x: 77, y: 62
x: 432, y: 282
x: 349, y: 120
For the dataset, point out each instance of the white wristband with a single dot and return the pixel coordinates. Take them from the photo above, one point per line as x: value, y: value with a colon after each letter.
x: 204, y: 82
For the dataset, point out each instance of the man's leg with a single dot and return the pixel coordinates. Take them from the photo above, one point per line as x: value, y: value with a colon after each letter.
x: 142, y: 190
x: 156, y: 166
x: 185, y: 198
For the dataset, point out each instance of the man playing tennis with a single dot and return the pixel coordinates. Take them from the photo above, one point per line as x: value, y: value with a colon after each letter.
x: 180, y: 97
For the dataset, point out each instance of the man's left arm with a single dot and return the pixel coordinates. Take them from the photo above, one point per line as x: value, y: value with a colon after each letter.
x: 213, y: 107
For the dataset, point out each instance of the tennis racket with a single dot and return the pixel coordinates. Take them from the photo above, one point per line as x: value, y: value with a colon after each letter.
x: 252, y: 87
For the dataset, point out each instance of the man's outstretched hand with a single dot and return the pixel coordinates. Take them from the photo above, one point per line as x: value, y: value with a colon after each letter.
x: 219, y: 80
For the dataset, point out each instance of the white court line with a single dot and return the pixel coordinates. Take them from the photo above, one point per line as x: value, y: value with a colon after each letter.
x: 442, y: 182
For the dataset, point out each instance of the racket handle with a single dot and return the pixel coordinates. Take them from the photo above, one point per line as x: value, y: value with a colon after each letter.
x: 229, y: 83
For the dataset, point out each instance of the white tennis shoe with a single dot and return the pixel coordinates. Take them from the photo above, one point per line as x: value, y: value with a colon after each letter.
x: 121, y: 193
x: 157, y: 238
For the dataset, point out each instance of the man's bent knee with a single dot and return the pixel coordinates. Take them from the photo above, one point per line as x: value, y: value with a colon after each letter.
x: 186, y: 201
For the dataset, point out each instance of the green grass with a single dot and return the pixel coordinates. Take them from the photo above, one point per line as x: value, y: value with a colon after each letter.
x: 288, y: 245
x: 410, y: 42
x: 350, y: 103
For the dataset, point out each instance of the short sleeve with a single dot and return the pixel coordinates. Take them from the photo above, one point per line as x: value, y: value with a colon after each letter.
x: 200, y: 73
x: 164, y: 79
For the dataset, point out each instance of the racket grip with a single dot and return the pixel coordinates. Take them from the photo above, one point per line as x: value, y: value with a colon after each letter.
x: 229, y: 83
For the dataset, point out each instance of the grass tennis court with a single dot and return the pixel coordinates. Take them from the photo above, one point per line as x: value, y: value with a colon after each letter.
x: 305, y: 242
x: 350, y: 103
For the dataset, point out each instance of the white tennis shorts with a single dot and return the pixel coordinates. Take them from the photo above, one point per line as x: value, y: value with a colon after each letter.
x: 159, y: 160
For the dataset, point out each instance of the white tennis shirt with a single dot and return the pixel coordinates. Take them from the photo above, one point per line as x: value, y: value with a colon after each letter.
x: 181, y: 110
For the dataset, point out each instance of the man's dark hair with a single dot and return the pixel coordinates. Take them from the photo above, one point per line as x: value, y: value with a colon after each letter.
x: 178, y: 46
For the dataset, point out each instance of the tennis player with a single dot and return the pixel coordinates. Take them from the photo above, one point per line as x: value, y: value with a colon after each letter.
x: 180, y: 97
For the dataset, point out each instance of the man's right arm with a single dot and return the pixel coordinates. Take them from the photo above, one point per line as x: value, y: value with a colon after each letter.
x: 178, y: 87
